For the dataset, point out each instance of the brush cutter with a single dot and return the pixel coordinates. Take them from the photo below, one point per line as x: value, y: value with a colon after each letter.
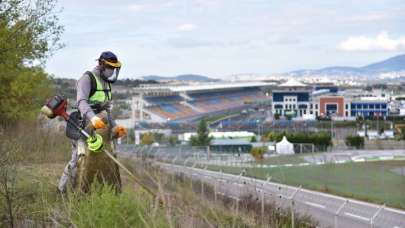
x: 56, y: 106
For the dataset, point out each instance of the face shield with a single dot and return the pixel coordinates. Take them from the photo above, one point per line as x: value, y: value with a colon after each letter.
x: 110, y: 74
x: 110, y: 70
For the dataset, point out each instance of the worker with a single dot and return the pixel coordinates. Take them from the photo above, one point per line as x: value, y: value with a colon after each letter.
x: 93, y: 97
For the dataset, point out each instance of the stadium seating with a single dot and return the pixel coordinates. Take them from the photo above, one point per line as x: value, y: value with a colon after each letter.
x: 157, y: 100
x: 217, y: 101
x: 176, y: 107
x: 172, y: 111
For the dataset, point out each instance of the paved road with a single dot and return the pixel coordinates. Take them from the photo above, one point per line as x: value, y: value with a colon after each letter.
x: 320, y: 206
x: 354, y: 155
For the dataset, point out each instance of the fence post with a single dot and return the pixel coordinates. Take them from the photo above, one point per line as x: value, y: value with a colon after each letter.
x: 237, y: 206
x: 192, y: 175
x: 262, y: 206
x: 216, y: 186
x: 174, y: 160
x: 240, y: 176
x: 185, y: 161
x: 173, y: 176
x: 164, y: 158
x: 375, y: 215
x: 291, y: 198
x: 168, y: 158
x: 215, y: 190
x: 202, y: 184
x: 338, y: 212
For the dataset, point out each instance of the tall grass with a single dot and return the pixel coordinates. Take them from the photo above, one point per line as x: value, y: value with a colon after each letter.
x: 31, y: 142
x: 22, y: 184
x: 102, y: 207
x: 224, y: 212
x: 32, y: 159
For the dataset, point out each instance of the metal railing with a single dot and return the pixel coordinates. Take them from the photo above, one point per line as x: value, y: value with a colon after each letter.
x: 336, y: 211
x: 329, y: 210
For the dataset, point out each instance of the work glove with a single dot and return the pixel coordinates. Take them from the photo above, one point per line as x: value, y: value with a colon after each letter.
x: 97, y: 122
x: 119, y: 131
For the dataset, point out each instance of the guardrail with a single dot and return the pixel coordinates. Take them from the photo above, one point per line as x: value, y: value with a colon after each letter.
x: 329, y: 210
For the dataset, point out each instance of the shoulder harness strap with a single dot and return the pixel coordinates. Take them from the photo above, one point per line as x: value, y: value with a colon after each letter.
x: 93, y: 85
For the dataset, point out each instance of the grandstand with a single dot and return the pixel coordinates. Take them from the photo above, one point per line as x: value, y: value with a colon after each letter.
x: 187, y: 103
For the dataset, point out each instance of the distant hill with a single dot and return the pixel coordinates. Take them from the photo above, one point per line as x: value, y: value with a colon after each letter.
x: 67, y: 86
x: 394, y: 64
x: 134, y: 82
x: 183, y: 77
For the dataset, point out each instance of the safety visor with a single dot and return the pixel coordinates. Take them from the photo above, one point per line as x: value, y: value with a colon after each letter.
x: 114, y: 64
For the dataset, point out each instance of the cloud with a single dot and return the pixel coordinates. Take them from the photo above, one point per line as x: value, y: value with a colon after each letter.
x: 137, y: 7
x: 192, y: 42
x: 186, y: 27
x: 370, y: 17
x: 150, y: 6
x: 382, y: 42
x: 286, y: 40
x: 180, y: 42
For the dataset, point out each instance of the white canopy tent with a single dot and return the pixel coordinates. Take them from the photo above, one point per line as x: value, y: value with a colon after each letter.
x: 284, y: 147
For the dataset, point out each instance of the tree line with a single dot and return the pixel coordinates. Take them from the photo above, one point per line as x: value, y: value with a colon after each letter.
x: 29, y: 34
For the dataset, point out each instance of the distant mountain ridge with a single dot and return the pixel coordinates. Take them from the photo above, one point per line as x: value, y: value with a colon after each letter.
x: 183, y: 77
x: 393, y: 64
x: 372, y: 71
x: 396, y: 63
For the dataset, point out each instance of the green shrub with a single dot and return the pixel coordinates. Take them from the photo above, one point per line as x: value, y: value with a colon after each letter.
x: 253, y: 139
x: 258, y: 152
x: 355, y: 141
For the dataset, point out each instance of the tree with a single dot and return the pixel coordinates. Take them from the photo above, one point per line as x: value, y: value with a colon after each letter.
x: 202, y: 138
x: 253, y: 139
x: 147, y: 139
x: 173, y: 140
x: 29, y: 34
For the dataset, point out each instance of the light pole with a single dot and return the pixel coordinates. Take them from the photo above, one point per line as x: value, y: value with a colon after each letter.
x: 331, y: 125
x: 365, y: 127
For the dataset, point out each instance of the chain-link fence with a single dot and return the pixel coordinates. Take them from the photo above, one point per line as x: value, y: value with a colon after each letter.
x: 377, y: 176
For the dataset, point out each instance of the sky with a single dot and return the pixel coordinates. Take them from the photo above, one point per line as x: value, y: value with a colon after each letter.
x: 220, y: 38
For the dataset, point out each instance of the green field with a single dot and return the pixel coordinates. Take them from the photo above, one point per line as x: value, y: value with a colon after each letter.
x: 369, y: 181
x: 280, y: 160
